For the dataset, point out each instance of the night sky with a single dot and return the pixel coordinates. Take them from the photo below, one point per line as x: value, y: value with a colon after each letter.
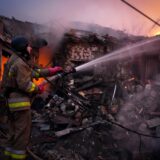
x: 110, y: 13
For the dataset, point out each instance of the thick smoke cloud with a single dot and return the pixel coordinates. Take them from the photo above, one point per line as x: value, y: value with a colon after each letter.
x: 109, y: 13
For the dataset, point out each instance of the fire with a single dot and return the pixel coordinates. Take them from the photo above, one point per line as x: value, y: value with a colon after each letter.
x: 45, y: 57
x: 4, y: 60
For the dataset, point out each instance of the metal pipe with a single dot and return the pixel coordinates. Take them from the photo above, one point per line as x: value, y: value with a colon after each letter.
x: 114, y: 92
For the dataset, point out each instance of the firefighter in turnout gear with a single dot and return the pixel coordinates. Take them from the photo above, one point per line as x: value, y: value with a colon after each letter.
x: 18, y: 87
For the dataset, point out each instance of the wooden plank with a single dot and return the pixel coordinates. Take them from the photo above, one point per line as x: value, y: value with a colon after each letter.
x: 153, y: 122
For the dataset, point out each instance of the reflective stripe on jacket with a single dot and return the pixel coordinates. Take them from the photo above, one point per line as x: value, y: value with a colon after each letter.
x: 18, y: 155
x: 38, y: 73
x: 15, y: 154
x: 7, y: 151
x: 19, y: 77
x: 19, y: 103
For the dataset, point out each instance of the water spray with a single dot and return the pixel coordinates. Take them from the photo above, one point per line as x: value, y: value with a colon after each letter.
x: 145, y: 47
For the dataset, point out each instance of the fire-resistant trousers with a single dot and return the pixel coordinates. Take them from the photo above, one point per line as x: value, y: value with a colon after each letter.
x: 19, y: 134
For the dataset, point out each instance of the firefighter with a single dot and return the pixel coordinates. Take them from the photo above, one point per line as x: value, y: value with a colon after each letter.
x: 18, y: 87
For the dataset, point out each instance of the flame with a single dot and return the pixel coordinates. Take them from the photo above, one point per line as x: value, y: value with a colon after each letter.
x: 4, y: 60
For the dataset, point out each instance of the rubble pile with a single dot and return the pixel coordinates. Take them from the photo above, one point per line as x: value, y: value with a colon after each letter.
x: 74, y: 108
x: 92, y: 143
x: 91, y: 135
x: 140, y: 113
x: 68, y: 125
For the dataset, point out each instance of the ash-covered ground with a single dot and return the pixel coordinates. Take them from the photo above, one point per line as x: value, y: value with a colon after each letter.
x: 73, y: 127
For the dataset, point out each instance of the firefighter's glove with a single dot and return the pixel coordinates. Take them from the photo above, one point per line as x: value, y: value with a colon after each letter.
x: 41, y: 89
x: 55, y: 70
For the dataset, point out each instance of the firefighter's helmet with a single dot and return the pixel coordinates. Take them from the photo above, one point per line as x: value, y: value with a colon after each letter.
x: 19, y: 43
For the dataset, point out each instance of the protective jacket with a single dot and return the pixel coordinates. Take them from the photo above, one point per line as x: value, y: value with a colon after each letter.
x: 18, y: 85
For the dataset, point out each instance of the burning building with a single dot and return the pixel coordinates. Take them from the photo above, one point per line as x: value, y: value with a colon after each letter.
x: 84, y: 103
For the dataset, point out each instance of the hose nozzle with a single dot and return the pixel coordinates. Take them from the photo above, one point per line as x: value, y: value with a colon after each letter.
x: 70, y: 71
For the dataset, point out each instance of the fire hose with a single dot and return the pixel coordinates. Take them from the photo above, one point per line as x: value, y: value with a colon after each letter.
x: 47, y: 80
x: 71, y: 130
x: 55, y: 77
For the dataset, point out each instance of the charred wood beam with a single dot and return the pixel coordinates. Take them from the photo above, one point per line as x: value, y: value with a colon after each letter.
x: 79, y: 82
x: 153, y: 122
x: 89, y: 85
x: 154, y: 113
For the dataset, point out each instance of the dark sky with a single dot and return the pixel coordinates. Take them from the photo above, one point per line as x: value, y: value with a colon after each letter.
x: 110, y: 13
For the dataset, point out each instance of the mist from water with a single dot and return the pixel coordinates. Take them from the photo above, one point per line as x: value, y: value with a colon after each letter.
x: 134, y: 115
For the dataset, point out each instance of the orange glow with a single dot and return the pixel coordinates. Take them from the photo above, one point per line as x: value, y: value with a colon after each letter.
x: 154, y: 32
x: 44, y: 61
x: 38, y: 81
x: 4, y: 60
x: 45, y: 57
x: 157, y: 33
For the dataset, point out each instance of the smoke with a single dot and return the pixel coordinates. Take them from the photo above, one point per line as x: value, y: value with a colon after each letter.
x: 134, y: 115
x: 108, y: 13
x: 53, y: 32
x: 59, y: 16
